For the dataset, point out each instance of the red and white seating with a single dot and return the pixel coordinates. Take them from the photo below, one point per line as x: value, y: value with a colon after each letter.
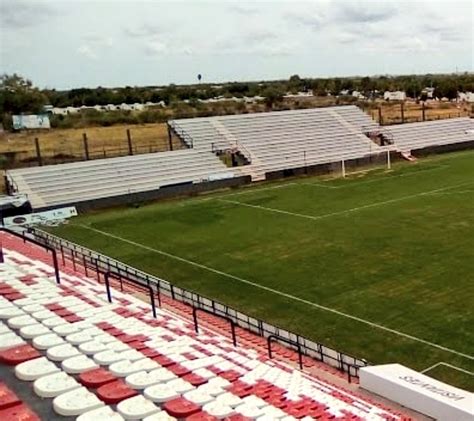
x: 98, y: 360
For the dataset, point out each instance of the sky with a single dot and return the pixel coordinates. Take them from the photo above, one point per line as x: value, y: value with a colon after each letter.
x: 66, y: 44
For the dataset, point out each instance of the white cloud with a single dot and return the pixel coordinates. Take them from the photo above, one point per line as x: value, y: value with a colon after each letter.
x: 230, y: 40
x: 99, y: 40
x: 145, y: 30
x: 364, y: 11
x: 20, y: 14
x: 87, y: 51
x: 156, y: 48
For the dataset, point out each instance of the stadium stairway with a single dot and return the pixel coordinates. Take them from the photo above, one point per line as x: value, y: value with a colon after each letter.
x: 87, y: 358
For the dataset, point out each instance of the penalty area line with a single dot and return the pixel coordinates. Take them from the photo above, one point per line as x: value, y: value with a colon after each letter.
x: 462, y: 370
x: 280, y: 293
x: 346, y: 211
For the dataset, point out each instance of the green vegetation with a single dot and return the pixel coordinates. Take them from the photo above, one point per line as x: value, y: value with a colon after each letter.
x: 18, y: 95
x: 394, y: 248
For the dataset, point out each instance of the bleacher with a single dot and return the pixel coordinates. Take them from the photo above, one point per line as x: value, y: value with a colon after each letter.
x: 82, y: 181
x: 413, y: 136
x: 285, y: 139
x: 66, y: 352
x: 270, y: 142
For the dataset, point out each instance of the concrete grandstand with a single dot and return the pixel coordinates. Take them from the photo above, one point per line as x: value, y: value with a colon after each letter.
x: 259, y: 145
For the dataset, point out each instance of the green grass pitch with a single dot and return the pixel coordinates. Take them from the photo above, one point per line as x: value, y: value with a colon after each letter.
x: 379, y: 265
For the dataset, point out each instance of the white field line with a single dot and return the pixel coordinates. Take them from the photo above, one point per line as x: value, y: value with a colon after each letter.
x: 280, y: 293
x: 447, y: 365
x: 453, y: 192
x: 246, y: 190
x: 346, y: 211
x: 376, y: 180
x: 251, y: 190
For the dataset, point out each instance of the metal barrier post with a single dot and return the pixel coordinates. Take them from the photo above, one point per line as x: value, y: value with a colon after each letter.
x: 56, y: 268
x: 195, y: 320
x: 288, y: 341
x: 107, y: 286
x: 85, y: 265
x: 158, y: 293
x: 232, y: 323
x: 152, y: 299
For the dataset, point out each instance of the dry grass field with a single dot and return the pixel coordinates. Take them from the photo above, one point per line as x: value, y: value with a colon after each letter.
x: 391, y: 112
x: 59, y: 145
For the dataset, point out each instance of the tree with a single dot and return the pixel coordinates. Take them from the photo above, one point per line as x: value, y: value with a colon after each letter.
x: 272, y: 96
x: 446, y: 88
x: 18, y: 95
x: 413, y: 88
x: 295, y: 84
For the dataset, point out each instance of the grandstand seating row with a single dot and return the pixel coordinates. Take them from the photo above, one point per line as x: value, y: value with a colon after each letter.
x: 72, y: 183
x: 92, y: 359
x: 271, y: 142
x: 412, y: 136
x: 286, y: 139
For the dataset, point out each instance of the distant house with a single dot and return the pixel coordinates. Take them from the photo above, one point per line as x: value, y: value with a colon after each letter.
x: 299, y: 94
x: 58, y: 111
x: 428, y: 91
x: 344, y: 92
x: 358, y: 95
x: 72, y: 110
x: 466, y: 96
x: 394, y: 96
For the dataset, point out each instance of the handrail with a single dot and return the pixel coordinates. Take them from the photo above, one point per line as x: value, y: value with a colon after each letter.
x: 232, y: 324
x: 288, y: 341
x: 39, y: 244
x: 247, y: 153
x: 109, y: 294
x: 11, y: 184
x: 181, y: 132
x: 318, y: 351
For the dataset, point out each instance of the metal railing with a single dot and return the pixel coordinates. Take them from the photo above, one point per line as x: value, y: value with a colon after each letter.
x: 188, y: 140
x: 99, y: 263
x: 39, y: 243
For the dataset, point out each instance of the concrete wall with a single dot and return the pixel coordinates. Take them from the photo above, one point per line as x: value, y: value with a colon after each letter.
x: 166, y: 192
x: 333, y: 167
x: 452, y: 147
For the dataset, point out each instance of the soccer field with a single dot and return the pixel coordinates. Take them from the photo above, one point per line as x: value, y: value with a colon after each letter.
x: 379, y: 265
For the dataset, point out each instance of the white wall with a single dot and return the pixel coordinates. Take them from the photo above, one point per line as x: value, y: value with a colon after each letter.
x: 418, y: 392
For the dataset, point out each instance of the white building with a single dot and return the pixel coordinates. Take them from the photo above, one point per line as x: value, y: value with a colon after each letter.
x: 299, y: 94
x: 358, y: 95
x: 394, y: 96
x: 466, y: 96
x: 429, y: 92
